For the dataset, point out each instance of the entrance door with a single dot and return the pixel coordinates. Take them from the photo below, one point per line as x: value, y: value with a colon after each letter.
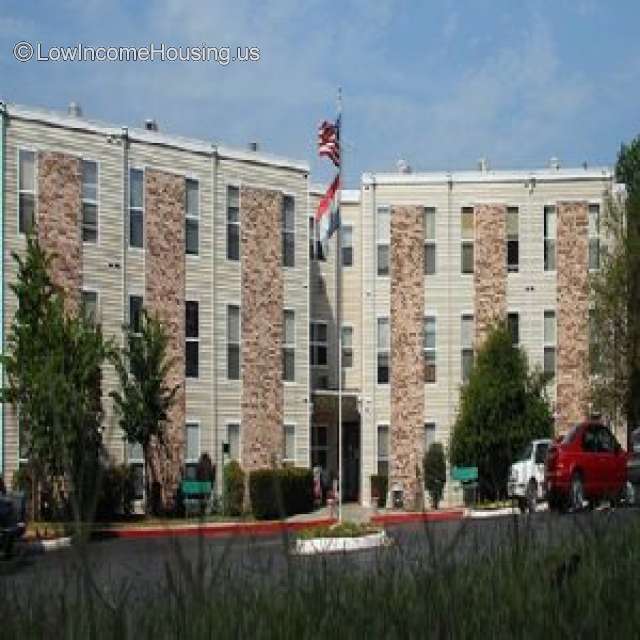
x: 351, y: 461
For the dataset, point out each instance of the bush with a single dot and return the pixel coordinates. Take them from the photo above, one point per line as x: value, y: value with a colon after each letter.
x: 204, y: 470
x: 379, y: 488
x: 278, y: 493
x: 117, y: 491
x: 233, y: 489
x: 435, y: 472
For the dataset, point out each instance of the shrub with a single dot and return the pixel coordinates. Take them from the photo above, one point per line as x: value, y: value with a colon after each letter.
x: 117, y: 491
x: 204, y: 470
x: 379, y: 488
x: 435, y: 472
x: 233, y: 489
x: 278, y: 493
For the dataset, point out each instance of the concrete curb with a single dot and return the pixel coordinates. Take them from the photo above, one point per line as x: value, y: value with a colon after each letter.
x: 426, y: 516
x: 212, y: 529
x: 315, y: 546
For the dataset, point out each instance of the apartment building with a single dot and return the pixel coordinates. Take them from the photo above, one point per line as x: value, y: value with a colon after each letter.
x: 431, y: 260
x: 222, y: 244
x: 211, y: 238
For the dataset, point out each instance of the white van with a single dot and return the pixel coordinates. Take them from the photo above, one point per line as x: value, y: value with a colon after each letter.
x: 526, y: 475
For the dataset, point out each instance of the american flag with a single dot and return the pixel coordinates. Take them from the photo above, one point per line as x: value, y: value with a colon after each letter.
x: 329, y: 140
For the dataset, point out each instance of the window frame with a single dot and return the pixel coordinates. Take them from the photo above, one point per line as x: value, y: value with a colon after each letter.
x: 427, y: 428
x: 594, y: 238
x: 349, y: 327
x: 288, y: 346
x: 288, y: 232
x: 513, y: 238
x: 383, y: 242
x: 347, y: 247
x: 88, y: 201
x: 190, y: 461
x: 514, y: 313
x: 547, y: 345
x: 316, y: 250
x: 467, y: 243
x: 464, y: 348
x: 228, y: 342
x: 129, y: 315
x: 85, y: 290
x: 21, y: 191
x: 314, y: 344
x: 191, y: 218
x: 285, y: 458
x: 429, y: 351
x: 138, y: 210
x: 380, y: 458
x: 430, y: 242
x: 236, y: 223
x: 192, y: 340
x: 549, y: 240
x: 233, y: 423
x: 383, y: 351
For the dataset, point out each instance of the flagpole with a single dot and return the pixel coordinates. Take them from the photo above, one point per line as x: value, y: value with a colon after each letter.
x: 338, y: 300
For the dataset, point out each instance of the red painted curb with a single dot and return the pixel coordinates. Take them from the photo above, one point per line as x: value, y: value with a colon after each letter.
x: 212, y: 530
x: 431, y: 516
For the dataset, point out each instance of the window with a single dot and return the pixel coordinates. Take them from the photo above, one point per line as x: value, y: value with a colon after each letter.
x: 316, y: 250
x: 513, y: 243
x: 233, y: 223
x: 347, y: 347
x: 89, y: 201
x: 594, y: 236
x: 550, y: 238
x: 289, y: 346
x: 289, y: 453
x: 605, y: 441
x: 136, y: 208
x: 135, y: 313
x: 192, y: 219
x: 429, y: 435
x: 384, y: 345
x: 233, y: 342
x: 347, y: 245
x: 513, y: 323
x: 90, y: 305
x: 429, y: 348
x: 467, y: 234
x: 383, y: 449
x: 541, y: 452
x: 288, y: 231
x: 26, y: 190
x: 318, y: 344
x: 466, y: 341
x: 549, y: 365
x: 319, y: 446
x: 383, y: 220
x: 191, y: 449
x: 233, y: 439
x: 136, y: 462
x: 429, y: 240
x: 192, y: 333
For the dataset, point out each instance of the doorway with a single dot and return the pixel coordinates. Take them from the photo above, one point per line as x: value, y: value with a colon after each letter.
x: 351, y: 461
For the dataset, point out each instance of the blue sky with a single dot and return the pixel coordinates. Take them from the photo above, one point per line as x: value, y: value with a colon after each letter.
x: 438, y: 84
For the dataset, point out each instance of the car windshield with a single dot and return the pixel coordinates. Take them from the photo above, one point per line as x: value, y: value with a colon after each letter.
x: 526, y: 453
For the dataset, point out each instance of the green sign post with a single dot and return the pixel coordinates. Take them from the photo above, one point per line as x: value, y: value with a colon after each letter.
x: 464, y: 474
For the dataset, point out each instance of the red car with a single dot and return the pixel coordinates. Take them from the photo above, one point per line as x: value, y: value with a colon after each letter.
x: 587, y: 463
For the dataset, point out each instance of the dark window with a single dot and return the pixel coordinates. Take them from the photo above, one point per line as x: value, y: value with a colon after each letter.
x: 136, y: 208
x: 192, y: 339
x: 347, y: 245
x: 233, y: 342
x: 541, y: 453
x: 233, y: 223
x: 26, y: 190
x: 513, y: 322
x: 590, y: 440
x: 89, y: 201
x: 192, y: 219
x: 288, y: 232
x: 513, y: 243
x: 549, y: 238
x: 135, y: 313
x: 467, y: 257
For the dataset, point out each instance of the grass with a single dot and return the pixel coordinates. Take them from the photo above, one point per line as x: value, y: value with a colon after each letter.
x: 342, y: 530
x: 521, y: 591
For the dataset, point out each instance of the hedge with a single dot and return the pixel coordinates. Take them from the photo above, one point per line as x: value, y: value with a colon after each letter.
x: 278, y: 493
x: 233, y: 489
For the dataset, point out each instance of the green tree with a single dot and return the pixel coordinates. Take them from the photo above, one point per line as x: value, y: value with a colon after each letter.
x: 144, y: 399
x: 502, y: 407
x: 435, y: 472
x: 53, y: 373
x: 628, y: 172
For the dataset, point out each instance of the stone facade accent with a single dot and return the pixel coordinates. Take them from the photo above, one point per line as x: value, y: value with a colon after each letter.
x: 59, y: 221
x: 261, y: 327
x: 572, y: 314
x: 164, y: 195
x: 490, y: 267
x: 407, y: 373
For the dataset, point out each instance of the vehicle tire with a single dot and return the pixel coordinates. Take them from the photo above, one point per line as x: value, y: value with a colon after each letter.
x: 532, y: 495
x: 576, y: 493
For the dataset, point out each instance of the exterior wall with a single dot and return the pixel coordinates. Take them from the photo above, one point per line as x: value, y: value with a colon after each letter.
x: 490, y: 269
x: 572, y: 313
x: 262, y: 328
x: 59, y: 206
x: 164, y: 197
x: 407, y: 379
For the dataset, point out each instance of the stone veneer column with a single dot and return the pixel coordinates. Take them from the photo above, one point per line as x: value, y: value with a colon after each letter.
x: 490, y: 267
x: 407, y: 373
x: 164, y: 195
x: 572, y: 249
x: 262, y: 308
x: 58, y: 219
